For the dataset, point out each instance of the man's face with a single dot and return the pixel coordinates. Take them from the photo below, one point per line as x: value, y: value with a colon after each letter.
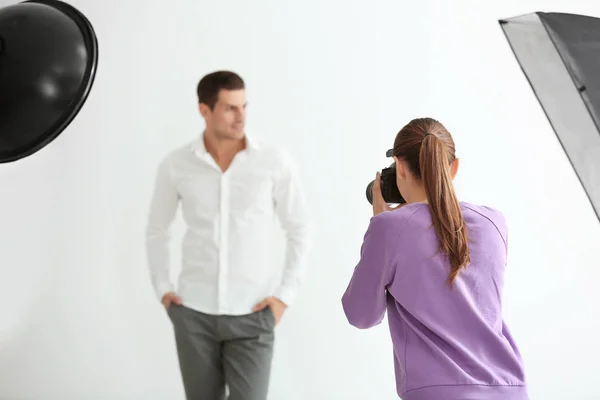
x: 227, y: 119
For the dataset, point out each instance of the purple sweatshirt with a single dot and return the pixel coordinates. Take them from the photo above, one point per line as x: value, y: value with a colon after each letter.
x: 449, y: 343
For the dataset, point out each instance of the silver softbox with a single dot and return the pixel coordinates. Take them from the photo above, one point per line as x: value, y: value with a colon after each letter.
x: 560, y: 56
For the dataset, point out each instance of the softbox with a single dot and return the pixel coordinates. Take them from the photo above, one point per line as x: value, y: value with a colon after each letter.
x: 48, y: 61
x: 560, y: 56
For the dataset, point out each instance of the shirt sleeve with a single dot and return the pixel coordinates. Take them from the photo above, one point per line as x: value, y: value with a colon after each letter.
x: 290, y: 206
x: 364, y: 301
x: 163, y: 207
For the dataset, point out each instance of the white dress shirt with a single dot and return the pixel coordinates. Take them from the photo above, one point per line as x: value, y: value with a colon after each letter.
x: 230, y: 216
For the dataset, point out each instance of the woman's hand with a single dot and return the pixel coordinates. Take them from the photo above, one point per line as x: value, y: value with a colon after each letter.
x: 379, y: 204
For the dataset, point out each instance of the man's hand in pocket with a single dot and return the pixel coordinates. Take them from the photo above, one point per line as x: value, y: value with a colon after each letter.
x: 277, y: 307
x: 169, y: 298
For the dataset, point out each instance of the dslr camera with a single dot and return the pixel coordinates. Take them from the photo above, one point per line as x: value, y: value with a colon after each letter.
x: 389, y: 188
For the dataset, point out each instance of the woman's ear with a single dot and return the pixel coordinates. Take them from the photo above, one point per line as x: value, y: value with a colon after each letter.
x: 454, y: 168
x: 400, y: 169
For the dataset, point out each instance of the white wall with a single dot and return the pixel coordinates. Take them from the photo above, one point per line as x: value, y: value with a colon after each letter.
x: 78, y: 319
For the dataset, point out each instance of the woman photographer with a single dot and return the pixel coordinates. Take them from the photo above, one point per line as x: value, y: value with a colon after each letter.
x: 436, y: 265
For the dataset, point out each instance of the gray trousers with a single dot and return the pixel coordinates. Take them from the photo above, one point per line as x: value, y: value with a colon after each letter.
x: 221, y: 351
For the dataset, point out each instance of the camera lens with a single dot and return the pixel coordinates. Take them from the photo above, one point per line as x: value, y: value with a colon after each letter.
x: 370, y: 191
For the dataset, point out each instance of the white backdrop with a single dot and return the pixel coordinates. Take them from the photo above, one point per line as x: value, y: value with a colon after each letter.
x: 332, y: 81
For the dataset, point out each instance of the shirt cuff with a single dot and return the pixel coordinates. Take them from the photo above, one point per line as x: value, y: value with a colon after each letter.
x: 162, y: 288
x: 286, y: 295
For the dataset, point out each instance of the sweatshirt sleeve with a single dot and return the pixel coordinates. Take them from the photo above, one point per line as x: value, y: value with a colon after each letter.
x: 364, y: 301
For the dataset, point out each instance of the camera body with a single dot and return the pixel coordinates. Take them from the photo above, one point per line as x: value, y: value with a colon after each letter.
x: 389, y: 188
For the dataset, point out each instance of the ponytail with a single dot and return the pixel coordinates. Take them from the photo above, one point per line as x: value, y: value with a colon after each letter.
x: 445, y: 209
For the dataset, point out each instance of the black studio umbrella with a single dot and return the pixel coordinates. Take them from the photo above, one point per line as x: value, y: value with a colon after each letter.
x: 48, y: 61
x: 560, y: 56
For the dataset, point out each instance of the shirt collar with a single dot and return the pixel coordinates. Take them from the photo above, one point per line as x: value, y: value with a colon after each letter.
x: 199, y: 147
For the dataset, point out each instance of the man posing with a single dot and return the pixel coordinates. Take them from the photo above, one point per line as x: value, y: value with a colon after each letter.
x: 229, y: 297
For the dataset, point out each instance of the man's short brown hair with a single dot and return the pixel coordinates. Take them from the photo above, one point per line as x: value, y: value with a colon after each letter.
x: 210, y: 85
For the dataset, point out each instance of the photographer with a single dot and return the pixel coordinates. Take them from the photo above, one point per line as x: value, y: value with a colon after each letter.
x: 436, y: 265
